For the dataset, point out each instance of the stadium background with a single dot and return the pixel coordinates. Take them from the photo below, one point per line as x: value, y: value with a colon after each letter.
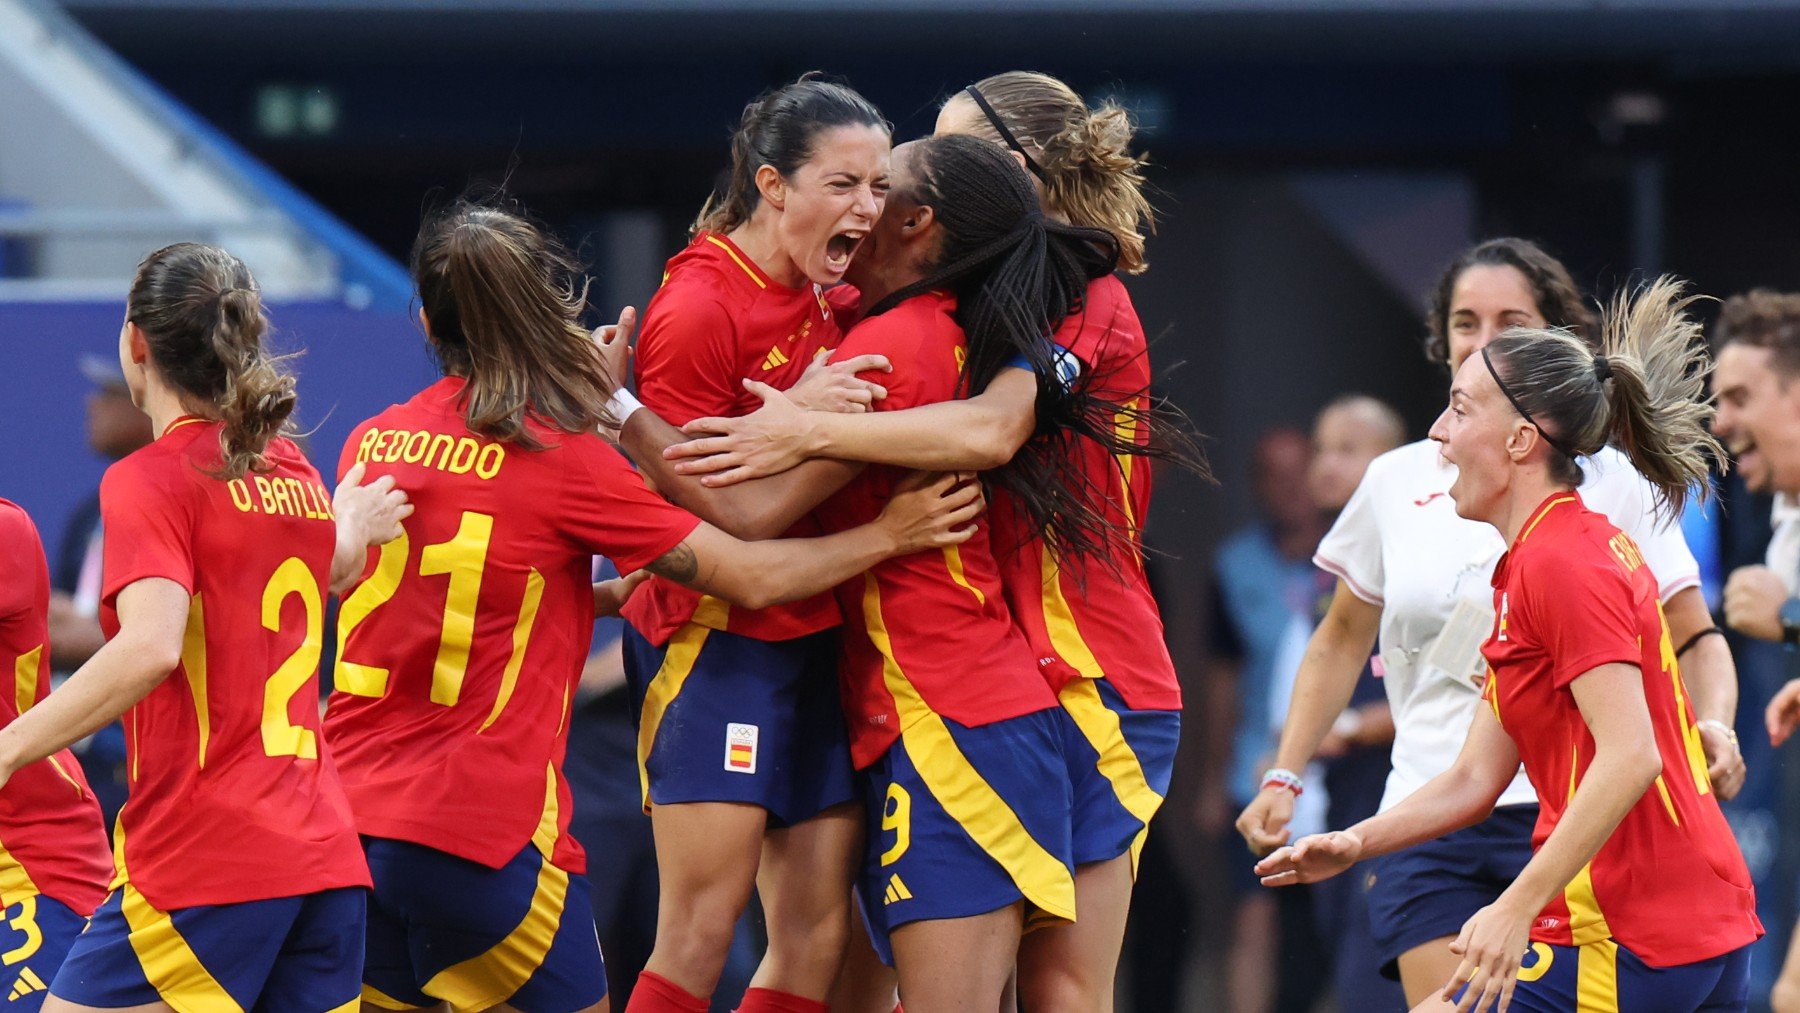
x: 1316, y: 162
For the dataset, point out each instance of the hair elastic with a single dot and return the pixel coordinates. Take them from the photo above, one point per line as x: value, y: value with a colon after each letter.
x: 1602, y: 369
x: 1553, y: 441
x: 1005, y: 134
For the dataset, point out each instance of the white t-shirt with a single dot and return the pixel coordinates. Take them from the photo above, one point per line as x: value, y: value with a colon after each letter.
x: 1783, y: 553
x: 1400, y: 545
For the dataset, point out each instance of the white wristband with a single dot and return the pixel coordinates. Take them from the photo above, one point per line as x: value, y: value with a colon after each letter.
x: 622, y: 404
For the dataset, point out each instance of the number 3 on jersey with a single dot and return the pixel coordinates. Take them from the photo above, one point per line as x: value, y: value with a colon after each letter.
x: 463, y: 559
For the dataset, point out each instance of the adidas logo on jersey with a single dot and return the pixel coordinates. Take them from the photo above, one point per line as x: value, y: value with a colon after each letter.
x: 774, y: 359
x: 27, y: 983
x: 896, y: 890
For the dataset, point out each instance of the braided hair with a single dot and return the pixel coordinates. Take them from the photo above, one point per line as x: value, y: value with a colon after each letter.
x: 1017, y: 275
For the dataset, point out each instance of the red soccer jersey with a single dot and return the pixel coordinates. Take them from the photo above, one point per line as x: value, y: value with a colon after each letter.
x: 716, y: 320
x: 927, y: 633
x: 1097, y: 617
x: 460, y: 649
x: 1669, y: 884
x: 232, y: 797
x: 51, y: 838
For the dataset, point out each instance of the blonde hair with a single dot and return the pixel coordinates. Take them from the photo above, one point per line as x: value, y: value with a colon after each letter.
x: 1656, y: 410
x: 1090, y: 175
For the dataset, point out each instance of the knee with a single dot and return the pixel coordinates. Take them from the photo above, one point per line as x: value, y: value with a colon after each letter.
x: 1785, y: 996
x: 816, y: 940
x: 1065, y: 988
x: 698, y: 925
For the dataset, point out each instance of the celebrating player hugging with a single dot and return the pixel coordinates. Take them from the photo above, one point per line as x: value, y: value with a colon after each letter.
x: 895, y: 664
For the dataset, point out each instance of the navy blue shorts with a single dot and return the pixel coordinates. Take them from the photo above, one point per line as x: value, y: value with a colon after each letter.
x: 1606, y: 976
x: 1120, y: 761
x: 1429, y: 890
x: 728, y: 718
x: 35, y: 935
x: 287, y: 955
x: 443, y: 928
x: 963, y: 821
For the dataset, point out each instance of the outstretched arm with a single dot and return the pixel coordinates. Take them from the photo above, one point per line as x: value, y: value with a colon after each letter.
x: 1458, y: 797
x: 925, y: 512
x: 975, y: 434
x: 755, y: 510
x: 1327, y: 677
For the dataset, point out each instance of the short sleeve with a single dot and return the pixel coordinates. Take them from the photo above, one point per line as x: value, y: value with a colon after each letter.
x: 611, y: 512
x: 1351, y: 550
x: 687, y: 362
x: 1583, y: 617
x: 149, y: 523
x: 20, y: 552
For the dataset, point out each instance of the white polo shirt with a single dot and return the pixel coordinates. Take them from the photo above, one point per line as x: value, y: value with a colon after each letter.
x: 1400, y: 545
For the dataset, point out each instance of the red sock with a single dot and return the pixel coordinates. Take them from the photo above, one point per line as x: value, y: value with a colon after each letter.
x: 657, y: 994
x: 767, y: 1000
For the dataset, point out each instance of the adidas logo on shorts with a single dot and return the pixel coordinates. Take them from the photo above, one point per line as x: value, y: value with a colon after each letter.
x: 896, y: 890
x: 27, y: 983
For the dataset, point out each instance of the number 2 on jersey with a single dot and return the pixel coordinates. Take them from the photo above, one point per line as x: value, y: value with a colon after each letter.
x: 462, y: 558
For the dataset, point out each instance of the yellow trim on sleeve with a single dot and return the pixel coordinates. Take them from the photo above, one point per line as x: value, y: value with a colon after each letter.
x: 25, y: 678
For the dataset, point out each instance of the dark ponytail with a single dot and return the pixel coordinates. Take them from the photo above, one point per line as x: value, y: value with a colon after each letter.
x: 1018, y: 275
x: 781, y: 129
x: 201, y: 314
x: 504, y: 300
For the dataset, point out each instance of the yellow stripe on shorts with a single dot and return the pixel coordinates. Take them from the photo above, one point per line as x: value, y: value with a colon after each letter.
x: 376, y: 997
x: 487, y: 980
x: 678, y: 663
x: 170, y: 965
x: 1118, y: 762
x: 1597, y: 978
x: 960, y: 789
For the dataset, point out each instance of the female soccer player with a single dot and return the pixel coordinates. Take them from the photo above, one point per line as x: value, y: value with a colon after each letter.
x: 239, y: 878
x: 463, y: 642
x: 1412, y: 569
x: 966, y: 780
x: 808, y: 177
x: 54, y: 865
x: 1636, y: 897
x: 1093, y: 630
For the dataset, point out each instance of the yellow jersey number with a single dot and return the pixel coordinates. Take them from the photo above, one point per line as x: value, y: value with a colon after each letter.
x: 463, y: 558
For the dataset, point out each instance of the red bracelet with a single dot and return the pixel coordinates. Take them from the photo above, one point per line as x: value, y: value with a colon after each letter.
x: 1279, y: 777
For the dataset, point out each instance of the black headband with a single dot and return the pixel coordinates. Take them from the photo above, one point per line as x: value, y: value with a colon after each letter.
x: 1553, y: 441
x: 1005, y: 134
